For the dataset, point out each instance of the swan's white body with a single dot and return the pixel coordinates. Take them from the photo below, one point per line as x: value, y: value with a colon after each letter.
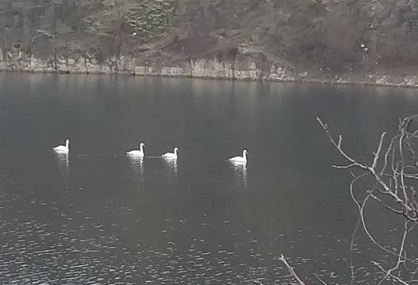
x: 138, y: 153
x: 171, y: 155
x: 242, y: 160
x: 63, y: 148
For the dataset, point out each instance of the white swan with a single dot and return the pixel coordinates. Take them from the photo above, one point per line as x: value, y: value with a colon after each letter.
x: 63, y: 148
x: 240, y: 159
x: 135, y: 152
x: 170, y: 155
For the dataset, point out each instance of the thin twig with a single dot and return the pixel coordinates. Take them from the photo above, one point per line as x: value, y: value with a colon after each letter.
x: 390, y: 275
x: 379, y: 149
x: 320, y: 280
x: 291, y: 270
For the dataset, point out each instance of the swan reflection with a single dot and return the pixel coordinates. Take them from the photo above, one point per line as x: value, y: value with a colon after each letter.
x: 240, y: 171
x: 172, y: 167
x: 137, y: 163
x: 63, y: 162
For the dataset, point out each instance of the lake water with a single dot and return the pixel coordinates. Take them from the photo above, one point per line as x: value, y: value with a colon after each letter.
x: 99, y: 217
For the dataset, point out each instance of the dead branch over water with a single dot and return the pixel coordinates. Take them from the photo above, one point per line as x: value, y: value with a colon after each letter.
x: 392, y: 178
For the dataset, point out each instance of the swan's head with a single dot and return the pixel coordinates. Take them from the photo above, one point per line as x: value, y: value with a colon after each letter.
x: 142, y: 144
x: 67, y: 141
x: 245, y: 152
x: 176, y: 149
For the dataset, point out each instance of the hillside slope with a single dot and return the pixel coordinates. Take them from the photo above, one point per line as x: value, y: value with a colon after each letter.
x: 323, y: 40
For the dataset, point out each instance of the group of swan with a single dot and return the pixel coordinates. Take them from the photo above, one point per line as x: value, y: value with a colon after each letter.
x: 140, y: 153
x: 237, y: 160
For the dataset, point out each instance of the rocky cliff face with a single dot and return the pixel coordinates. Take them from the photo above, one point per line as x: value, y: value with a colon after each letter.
x: 346, y: 41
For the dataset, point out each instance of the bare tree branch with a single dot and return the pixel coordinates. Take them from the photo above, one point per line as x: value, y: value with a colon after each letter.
x: 392, y: 189
x: 390, y: 179
x: 320, y: 280
x: 291, y: 270
x: 390, y: 275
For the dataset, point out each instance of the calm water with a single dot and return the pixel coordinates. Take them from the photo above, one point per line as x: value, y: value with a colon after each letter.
x: 100, y: 218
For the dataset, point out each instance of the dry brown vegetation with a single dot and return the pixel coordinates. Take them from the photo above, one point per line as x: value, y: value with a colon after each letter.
x: 329, y: 36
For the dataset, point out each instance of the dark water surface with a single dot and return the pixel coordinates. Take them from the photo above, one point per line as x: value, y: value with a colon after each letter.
x: 99, y: 217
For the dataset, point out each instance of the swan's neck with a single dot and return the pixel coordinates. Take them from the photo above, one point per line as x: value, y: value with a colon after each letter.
x: 175, y: 151
x: 141, y: 148
x: 244, y: 155
x: 67, y: 143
